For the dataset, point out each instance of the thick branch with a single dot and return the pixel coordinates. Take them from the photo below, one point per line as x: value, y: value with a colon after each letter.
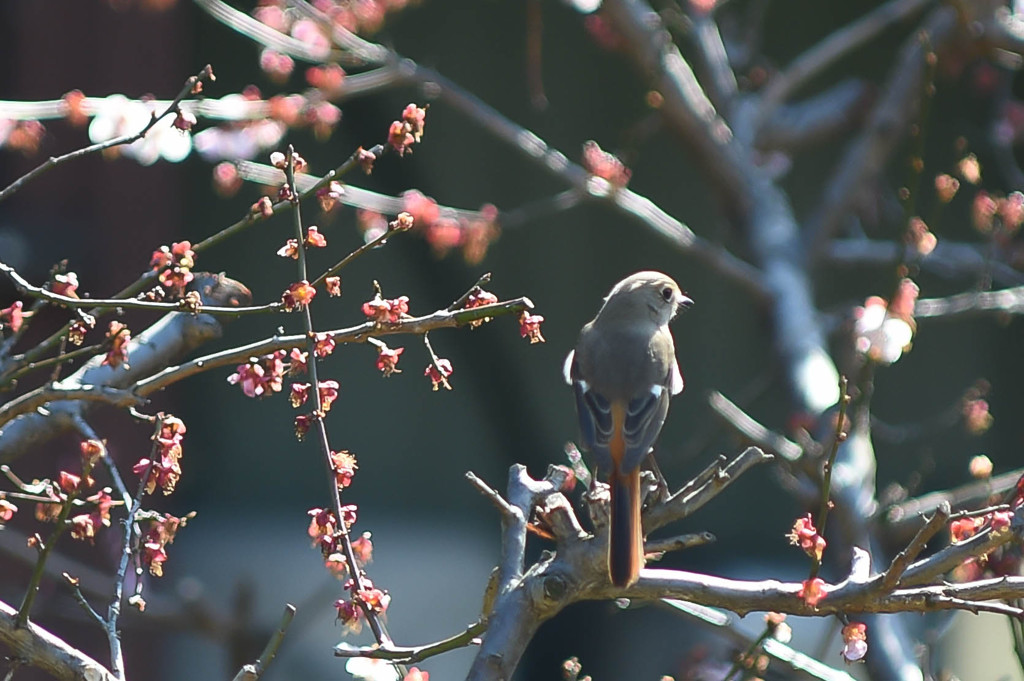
x: 750, y: 196
x: 37, y: 647
x: 172, y: 336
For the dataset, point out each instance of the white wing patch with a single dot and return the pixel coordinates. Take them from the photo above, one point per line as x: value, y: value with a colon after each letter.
x: 567, y: 367
x: 675, y: 381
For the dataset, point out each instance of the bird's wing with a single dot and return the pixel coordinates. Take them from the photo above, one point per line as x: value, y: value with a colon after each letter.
x: 645, y: 415
x: 675, y: 380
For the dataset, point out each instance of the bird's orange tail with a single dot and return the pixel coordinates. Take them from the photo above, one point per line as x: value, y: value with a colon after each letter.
x: 625, y: 543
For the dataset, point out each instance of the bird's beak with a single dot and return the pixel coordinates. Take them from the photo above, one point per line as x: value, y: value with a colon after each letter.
x: 684, y: 301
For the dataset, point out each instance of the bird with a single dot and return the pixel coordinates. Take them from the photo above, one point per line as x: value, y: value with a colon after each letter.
x: 623, y: 371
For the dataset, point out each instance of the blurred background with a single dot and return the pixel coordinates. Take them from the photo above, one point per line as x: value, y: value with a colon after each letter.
x: 436, y: 539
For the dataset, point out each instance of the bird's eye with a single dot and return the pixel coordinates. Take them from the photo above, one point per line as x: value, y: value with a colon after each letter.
x: 668, y: 294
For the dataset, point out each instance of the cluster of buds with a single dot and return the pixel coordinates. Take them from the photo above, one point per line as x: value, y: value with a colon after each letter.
x: 368, y: 598
x: 438, y: 373
x: 314, y: 239
x: 329, y: 195
x: 262, y: 376
x: 84, y: 525
x: 855, y: 642
x: 919, y: 237
x: 118, y: 336
x: 805, y: 535
x: 161, y: 531
x: 974, y: 408
x: 328, y: 393
x: 384, y: 311
x: 884, y: 329
x: 298, y: 296
x: 408, y: 130
x: 479, y: 298
x: 387, y: 359
x: 65, y: 284
x: 812, y: 591
x: 445, y: 232
x: 164, y: 470
x: 68, y: 489
x: 22, y: 136
x: 963, y: 529
x: 529, y: 326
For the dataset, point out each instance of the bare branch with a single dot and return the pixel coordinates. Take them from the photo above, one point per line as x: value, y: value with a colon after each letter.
x: 751, y: 429
x: 41, y: 396
x: 903, y: 559
x: 816, y: 119
x: 252, y: 672
x: 37, y: 647
x: 1004, y: 302
x: 949, y: 259
x: 354, y: 334
x: 761, y: 207
x: 867, y: 155
x: 414, y: 654
x: 54, y: 161
x: 679, y: 506
x: 172, y: 336
x: 836, y: 45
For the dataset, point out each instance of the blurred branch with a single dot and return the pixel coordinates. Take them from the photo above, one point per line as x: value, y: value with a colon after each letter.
x: 722, y: 81
x: 870, y: 152
x: 189, y: 88
x: 816, y: 119
x: 749, y: 194
x: 800, y: 665
x: 901, y: 519
x: 1005, y: 302
x: 836, y: 45
x: 405, y: 72
x: 268, y: 37
x: 949, y: 259
x: 746, y: 426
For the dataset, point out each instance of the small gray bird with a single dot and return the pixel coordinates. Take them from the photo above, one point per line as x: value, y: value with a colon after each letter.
x: 623, y: 372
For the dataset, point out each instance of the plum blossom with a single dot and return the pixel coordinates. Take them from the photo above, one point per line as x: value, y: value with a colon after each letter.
x: 117, y: 116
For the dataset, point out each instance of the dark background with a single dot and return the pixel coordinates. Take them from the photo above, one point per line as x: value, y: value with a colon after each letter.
x: 436, y: 538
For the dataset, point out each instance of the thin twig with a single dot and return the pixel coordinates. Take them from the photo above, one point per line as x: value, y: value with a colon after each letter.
x: 904, y: 558
x: 413, y: 654
x: 252, y: 672
x: 837, y: 44
x: 376, y: 625
x: 475, y: 288
x: 826, y: 483
x: 43, y: 395
x: 492, y: 494
x: 355, y: 334
x: 114, y: 609
x: 77, y: 304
